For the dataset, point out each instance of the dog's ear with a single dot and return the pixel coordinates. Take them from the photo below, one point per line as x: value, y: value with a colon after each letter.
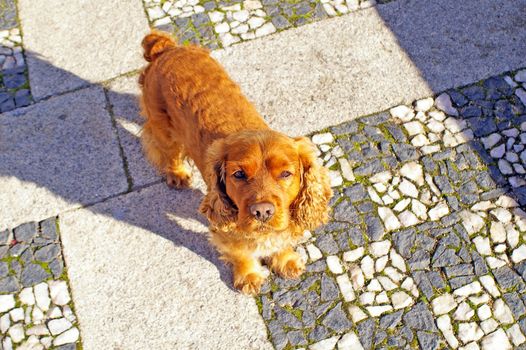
x: 310, y: 208
x: 216, y: 205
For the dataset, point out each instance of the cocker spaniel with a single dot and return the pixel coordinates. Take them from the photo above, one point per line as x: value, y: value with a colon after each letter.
x: 264, y: 188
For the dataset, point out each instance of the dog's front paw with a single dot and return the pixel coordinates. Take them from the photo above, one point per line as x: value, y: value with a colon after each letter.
x: 288, y: 264
x: 249, y: 284
x: 179, y: 179
x: 292, y: 268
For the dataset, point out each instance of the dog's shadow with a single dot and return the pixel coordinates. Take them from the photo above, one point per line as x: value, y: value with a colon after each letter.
x: 170, y: 213
x: 173, y: 215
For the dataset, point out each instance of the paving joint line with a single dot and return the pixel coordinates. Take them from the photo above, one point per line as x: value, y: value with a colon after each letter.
x: 109, y: 108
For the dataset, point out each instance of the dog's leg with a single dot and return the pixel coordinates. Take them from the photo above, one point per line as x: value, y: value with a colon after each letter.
x: 287, y: 263
x: 248, y: 273
x: 166, y: 155
x: 177, y: 176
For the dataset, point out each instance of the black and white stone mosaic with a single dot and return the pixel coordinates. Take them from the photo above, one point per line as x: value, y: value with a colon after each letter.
x: 426, y: 248
x: 36, y: 310
x: 223, y: 23
x: 14, y: 84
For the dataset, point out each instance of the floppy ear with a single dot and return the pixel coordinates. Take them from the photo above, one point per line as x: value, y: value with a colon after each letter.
x: 311, y: 207
x: 216, y: 205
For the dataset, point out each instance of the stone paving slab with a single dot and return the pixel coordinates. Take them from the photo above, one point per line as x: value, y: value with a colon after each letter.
x: 36, y: 308
x: 72, y: 43
x: 448, y: 54
x: 56, y: 155
x: 144, y: 277
x: 335, y: 70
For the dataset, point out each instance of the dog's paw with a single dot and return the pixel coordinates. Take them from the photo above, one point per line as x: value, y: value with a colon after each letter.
x: 180, y: 179
x: 287, y: 264
x: 249, y: 284
x: 293, y: 268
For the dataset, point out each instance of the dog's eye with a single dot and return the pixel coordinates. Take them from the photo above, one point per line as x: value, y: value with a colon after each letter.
x: 285, y: 174
x: 240, y: 174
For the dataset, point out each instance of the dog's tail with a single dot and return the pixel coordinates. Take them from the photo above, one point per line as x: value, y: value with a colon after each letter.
x: 156, y: 43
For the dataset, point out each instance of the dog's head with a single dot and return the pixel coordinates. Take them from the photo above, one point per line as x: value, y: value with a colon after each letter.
x: 263, y: 181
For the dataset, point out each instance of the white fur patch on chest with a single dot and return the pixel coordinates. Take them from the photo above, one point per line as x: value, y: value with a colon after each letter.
x: 267, y: 247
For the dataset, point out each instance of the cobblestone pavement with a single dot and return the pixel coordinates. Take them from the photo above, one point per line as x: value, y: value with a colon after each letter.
x: 222, y: 23
x: 36, y: 310
x: 14, y: 86
x: 426, y: 246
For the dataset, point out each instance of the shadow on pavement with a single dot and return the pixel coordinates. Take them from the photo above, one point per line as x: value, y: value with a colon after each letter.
x: 450, y: 41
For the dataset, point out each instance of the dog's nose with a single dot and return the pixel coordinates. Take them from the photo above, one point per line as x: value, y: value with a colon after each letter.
x: 262, y: 211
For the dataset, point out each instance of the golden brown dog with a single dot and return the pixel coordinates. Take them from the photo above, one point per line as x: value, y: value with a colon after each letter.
x: 264, y: 188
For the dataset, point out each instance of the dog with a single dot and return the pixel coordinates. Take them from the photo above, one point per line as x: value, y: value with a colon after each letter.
x: 264, y: 189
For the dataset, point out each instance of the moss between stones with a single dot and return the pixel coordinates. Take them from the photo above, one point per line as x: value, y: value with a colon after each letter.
x: 259, y: 304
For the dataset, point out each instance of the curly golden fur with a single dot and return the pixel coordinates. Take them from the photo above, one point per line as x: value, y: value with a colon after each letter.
x: 263, y: 188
